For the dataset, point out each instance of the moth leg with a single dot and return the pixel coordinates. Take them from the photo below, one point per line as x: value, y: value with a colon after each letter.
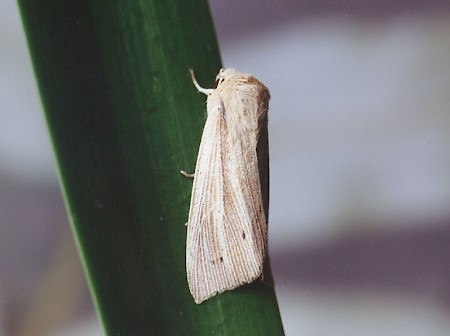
x: 184, y: 173
x: 199, y: 88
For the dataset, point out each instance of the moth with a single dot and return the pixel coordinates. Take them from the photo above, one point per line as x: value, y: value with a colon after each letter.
x: 227, y: 226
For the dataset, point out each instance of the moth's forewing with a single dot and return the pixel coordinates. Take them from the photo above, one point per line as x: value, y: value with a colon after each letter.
x: 227, y: 228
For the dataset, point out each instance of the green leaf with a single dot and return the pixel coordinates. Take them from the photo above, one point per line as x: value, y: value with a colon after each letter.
x: 124, y: 118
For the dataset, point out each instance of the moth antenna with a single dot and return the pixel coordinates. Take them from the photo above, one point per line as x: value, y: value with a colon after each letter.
x: 198, y: 87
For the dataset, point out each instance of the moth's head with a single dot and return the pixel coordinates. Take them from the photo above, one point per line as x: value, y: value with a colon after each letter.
x: 223, y: 75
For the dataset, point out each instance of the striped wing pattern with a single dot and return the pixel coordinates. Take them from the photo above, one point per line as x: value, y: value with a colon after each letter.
x: 227, y: 228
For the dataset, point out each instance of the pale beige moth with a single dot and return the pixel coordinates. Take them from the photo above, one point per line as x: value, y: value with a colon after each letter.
x: 227, y: 226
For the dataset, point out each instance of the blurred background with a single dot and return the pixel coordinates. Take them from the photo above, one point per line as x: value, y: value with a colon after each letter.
x: 360, y: 170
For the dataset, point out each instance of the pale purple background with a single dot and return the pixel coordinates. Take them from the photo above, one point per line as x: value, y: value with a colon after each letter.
x: 360, y: 170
